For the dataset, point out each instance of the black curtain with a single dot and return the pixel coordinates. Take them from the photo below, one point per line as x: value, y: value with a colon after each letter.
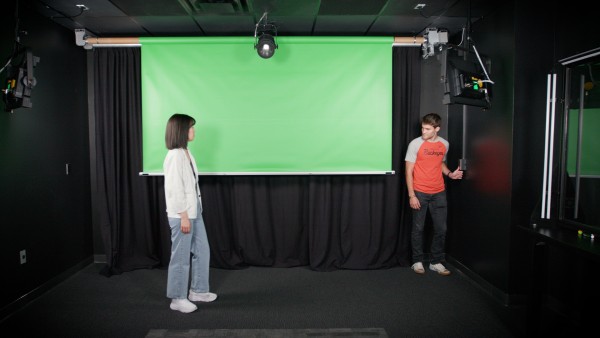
x: 324, y: 222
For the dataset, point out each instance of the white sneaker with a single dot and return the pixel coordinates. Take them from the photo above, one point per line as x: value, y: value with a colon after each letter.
x: 439, y: 268
x: 206, y: 297
x: 183, y: 305
x: 418, y: 268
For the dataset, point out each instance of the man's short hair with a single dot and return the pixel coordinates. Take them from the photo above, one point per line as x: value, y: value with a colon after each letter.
x: 432, y: 119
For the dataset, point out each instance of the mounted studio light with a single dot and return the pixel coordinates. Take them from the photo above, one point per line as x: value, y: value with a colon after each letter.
x: 265, y: 35
x: 266, y: 46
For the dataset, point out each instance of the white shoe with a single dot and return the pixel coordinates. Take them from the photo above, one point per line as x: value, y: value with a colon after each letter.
x: 418, y: 268
x: 205, y: 297
x: 183, y: 305
x: 439, y: 268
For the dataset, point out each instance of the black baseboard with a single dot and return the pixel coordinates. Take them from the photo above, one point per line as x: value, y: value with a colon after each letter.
x: 11, y: 308
x: 495, y: 293
x: 510, y: 308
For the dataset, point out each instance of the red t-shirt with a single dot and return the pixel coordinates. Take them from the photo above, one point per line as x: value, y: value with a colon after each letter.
x: 427, y: 157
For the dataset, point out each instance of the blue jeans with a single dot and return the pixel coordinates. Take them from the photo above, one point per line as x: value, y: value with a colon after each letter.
x: 196, y: 243
x: 437, y: 206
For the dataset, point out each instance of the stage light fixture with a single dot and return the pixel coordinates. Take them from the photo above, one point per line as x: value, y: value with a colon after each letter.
x: 265, y: 35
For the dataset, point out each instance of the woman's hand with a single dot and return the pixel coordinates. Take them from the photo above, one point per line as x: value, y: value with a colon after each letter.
x: 185, y: 223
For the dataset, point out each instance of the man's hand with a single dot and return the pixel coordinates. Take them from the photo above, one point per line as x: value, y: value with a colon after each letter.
x: 456, y: 174
x: 414, y: 202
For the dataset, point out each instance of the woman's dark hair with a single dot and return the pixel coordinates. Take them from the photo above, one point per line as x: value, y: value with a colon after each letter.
x: 178, y: 128
x: 432, y: 119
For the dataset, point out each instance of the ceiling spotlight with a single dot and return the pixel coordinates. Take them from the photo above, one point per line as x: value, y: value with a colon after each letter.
x: 266, y: 46
x: 265, y: 35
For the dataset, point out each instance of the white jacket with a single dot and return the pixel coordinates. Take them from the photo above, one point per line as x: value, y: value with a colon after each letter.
x: 181, y: 187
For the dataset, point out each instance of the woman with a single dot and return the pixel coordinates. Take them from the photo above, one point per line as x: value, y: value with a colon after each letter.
x: 184, y: 211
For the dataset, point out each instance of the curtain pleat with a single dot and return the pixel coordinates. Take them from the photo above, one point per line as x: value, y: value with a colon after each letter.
x: 124, y: 199
x: 407, y: 126
x: 323, y: 222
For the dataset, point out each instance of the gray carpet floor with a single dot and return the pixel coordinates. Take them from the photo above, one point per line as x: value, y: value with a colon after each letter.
x: 395, y: 301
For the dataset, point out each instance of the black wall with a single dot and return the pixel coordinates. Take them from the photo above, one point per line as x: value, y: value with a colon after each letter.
x: 481, y: 239
x: 504, y: 149
x: 479, y: 224
x: 502, y: 189
x: 44, y: 211
x: 534, y: 59
x: 480, y: 204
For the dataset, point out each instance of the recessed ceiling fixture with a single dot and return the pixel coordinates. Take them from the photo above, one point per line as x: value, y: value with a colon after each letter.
x: 265, y: 35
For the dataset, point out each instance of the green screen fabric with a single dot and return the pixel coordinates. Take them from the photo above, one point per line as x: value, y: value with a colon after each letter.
x: 319, y: 105
x: 590, y: 152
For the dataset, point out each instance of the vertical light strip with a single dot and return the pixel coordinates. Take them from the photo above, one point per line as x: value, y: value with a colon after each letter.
x: 551, y: 145
x: 464, y: 137
x: 579, y: 142
x: 545, y: 176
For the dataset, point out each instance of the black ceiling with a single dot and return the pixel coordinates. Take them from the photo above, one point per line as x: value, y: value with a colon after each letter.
x: 134, y: 18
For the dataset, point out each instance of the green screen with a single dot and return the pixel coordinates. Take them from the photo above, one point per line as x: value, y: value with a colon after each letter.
x: 319, y: 105
x: 590, y: 153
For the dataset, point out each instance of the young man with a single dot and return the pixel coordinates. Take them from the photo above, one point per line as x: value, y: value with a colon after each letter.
x: 425, y: 168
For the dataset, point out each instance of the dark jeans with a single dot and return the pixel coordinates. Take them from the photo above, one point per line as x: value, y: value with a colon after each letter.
x: 437, y: 206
